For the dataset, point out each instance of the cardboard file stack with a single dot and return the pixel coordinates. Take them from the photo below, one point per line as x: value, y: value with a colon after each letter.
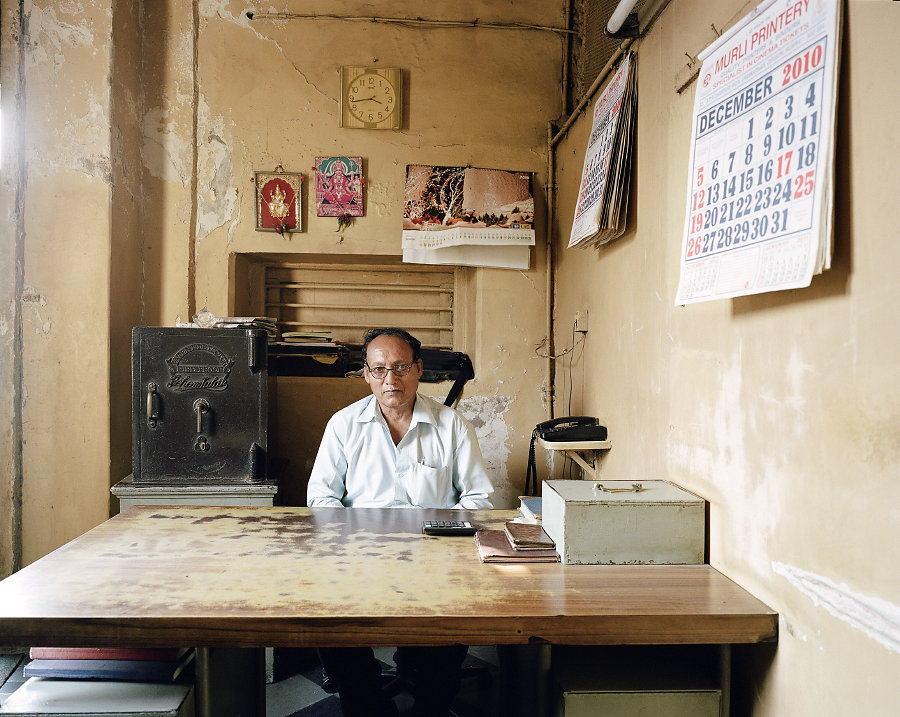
x: 139, y: 665
x: 120, y: 682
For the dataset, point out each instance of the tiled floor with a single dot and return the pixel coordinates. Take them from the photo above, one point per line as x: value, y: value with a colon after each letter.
x: 297, y: 688
x: 10, y: 674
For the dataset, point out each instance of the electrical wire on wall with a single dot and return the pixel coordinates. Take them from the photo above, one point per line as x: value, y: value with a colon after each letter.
x: 418, y: 22
x: 577, y: 343
x: 570, y: 352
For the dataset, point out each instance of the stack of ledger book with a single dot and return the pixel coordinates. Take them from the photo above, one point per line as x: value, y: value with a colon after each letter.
x: 206, y: 320
x: 516, y: 543
x: 306, y: 337
x: 530, y: 509
x: 266, y: 323
x: 113, y: 663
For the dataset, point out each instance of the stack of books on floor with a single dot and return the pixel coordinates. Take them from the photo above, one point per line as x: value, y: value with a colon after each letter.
x: 517, y: 543
x: 65, y: 681
x: 114, y: 663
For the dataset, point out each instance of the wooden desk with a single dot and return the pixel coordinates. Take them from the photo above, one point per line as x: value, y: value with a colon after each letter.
x: 269, y: 576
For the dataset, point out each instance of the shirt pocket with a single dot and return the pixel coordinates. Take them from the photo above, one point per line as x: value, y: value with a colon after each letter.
x: 428, y: 487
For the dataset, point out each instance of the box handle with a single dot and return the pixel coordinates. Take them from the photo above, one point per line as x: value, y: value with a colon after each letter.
x: 635, y: 488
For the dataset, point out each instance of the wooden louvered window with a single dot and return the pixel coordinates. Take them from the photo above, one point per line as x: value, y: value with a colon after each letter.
x: 348, y: 299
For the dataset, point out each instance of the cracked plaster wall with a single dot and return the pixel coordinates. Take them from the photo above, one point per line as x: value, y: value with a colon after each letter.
x: 267, y: 95
x: 780, y: 410
x: 10, y: 309
x: 64, y: 110
x: 142, y: 125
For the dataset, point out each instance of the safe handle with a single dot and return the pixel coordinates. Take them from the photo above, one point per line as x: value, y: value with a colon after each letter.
x: 201, y: 406
x: 256, y: 342
x: 153, y: 402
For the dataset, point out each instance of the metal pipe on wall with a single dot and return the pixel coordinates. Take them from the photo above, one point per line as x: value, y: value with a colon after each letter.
x: 552, y: 141
x: 551, y: 200
x: 620, y: 14
x: 551, y: 194
x: 601, y: 76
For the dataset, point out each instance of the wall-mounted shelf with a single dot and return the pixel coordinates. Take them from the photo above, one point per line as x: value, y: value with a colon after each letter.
x: 573, y: 450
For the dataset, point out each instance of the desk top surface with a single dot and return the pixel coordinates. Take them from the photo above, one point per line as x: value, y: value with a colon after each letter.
x: 263, y: 576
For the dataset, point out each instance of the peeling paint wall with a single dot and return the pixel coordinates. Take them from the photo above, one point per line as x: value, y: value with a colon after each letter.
x: 169, y: 178
x: 142, y: 125
x: 139, y: 126
x: 126, y: 224
x: 780, y: 409
x: 487, y: 414
x: 267, y: 94
x: 65, y: 220
x: 10, y: 308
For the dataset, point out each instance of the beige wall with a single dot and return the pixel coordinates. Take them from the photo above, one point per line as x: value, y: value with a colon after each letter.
x: 10, y: 311
x: 780, y: 409
x: 141, y: 125
x: 59, y: 226
x: 267, y: 95
x: 133, y: 194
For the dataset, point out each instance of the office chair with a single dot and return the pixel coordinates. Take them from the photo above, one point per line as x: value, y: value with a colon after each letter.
x: 399, y: 679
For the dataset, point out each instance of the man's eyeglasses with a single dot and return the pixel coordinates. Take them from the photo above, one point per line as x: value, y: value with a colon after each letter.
x: 379, y: 372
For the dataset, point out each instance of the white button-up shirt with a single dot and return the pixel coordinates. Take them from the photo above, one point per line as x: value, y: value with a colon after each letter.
x: 437, y: 464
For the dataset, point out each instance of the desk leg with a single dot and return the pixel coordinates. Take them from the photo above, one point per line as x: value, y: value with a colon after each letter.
x: 231, y: 682
x: 524, y: 680
x: 725, y: 678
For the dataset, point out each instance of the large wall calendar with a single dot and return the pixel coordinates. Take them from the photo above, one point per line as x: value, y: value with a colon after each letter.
x: 760, y: 189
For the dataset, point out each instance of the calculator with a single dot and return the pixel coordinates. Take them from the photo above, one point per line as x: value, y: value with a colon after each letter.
x: 448, y: 527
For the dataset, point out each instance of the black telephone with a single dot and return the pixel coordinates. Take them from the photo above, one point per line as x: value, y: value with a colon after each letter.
x: 569, y: 428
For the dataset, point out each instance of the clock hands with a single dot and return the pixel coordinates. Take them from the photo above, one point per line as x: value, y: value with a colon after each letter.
x: 368, y: 99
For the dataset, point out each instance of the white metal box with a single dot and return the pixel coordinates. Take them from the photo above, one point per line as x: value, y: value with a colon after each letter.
x: 639, y: 685
x: 661, y: 524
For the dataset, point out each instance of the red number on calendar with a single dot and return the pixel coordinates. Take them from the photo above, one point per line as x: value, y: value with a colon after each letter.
x: 693, y: 247
x: 801, y: 65
x: 804, y: 184
x: 697, y: 222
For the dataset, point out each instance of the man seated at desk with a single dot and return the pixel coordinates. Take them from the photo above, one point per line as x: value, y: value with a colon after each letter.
x: 397, y: 448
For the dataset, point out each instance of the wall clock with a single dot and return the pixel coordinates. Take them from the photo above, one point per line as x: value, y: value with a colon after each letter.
x: 371, y: 97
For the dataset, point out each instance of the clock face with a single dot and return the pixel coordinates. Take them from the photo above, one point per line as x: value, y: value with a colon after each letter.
x: 371, y: 98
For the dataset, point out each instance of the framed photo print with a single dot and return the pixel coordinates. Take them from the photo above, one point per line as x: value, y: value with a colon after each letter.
x: 339, y: 187
x: 278, y: 201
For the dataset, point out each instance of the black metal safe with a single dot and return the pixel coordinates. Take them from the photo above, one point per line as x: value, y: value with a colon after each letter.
x: 199, y: 405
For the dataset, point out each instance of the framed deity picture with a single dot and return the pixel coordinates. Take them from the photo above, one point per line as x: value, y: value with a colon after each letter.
x: 278, y: 200
x: 339, y: 187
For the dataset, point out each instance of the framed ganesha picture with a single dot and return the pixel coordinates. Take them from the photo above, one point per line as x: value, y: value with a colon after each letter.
x: 339, y: 187
x: 278, y: 201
